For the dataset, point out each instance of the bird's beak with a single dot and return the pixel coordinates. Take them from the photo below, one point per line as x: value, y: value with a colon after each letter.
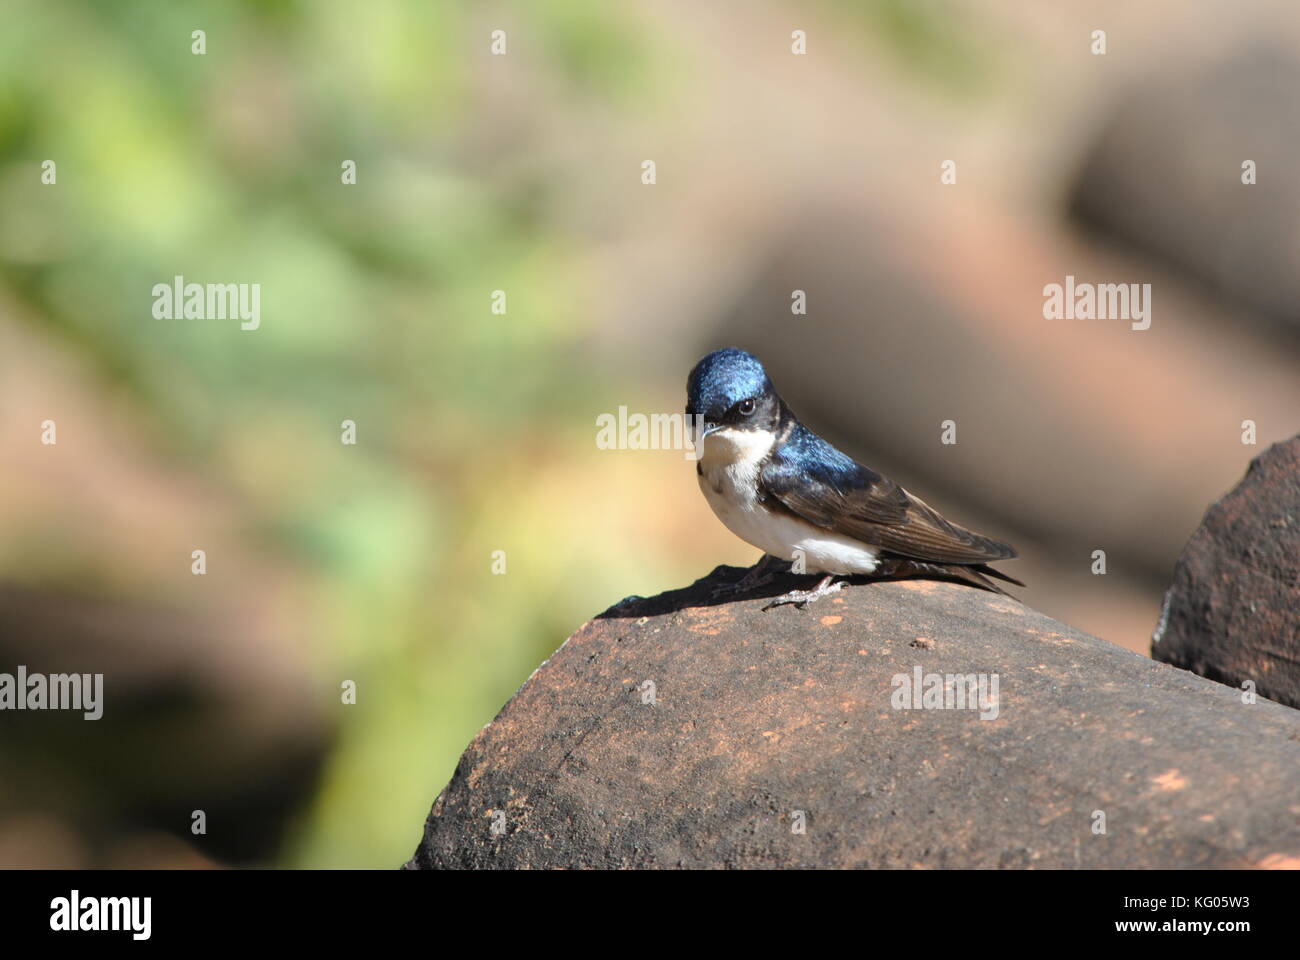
x: 710, y: 428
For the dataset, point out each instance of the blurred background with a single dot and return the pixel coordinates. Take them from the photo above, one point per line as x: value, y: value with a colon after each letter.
x: 373, y: 562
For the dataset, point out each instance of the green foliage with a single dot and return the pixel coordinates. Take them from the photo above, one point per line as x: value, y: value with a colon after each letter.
x: 933, y: 39
x: 226, y: 167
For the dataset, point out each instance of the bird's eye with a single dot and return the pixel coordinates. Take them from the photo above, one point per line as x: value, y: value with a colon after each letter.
x: 746, y: 407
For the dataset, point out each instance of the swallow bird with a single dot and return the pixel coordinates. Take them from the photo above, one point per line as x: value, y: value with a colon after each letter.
x: 780, y: 487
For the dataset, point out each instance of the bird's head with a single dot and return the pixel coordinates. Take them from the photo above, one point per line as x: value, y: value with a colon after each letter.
x: 730, y: 390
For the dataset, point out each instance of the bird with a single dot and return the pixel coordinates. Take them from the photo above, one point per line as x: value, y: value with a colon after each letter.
x: 783, y: 489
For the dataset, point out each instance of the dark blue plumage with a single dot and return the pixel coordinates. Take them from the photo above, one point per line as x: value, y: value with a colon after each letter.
x: 723, y: 379
x: 804, y: 453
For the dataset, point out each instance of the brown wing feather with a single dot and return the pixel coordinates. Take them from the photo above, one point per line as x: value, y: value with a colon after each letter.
x: 879, y: 512
x: 925, y: 535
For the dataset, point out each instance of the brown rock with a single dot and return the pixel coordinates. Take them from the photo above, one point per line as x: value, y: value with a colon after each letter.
x: 762, y: 721
x: 1233, y: 611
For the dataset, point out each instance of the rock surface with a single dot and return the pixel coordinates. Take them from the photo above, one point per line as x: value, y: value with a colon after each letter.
x: 766, y: 721
x: 1233, y: 611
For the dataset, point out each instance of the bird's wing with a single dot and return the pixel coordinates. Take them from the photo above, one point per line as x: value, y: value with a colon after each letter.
x: 831, y: 491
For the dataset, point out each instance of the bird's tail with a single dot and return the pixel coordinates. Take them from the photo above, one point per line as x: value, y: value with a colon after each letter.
x: 976, y: 575
x: 985, y: 570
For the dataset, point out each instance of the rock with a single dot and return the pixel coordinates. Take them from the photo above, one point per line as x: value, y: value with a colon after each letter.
x: 1166, y: 176
x: 1233, y: 611
x: 765, y: 722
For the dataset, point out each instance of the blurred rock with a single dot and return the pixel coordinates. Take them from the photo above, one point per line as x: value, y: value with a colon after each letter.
x: 1166, y: 176
x: 763, y: 721
x: 176, y: 735
x: 38, y: 841
x: 1233, y: 611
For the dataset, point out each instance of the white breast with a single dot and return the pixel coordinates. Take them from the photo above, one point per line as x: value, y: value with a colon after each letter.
x: 729, y: 480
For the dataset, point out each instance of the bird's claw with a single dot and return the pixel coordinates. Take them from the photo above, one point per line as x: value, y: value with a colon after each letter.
x: 825, y: 587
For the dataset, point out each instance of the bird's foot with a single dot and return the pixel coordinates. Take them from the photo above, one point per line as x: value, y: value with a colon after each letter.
x: 825, y: 587
x: 759, y: 575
